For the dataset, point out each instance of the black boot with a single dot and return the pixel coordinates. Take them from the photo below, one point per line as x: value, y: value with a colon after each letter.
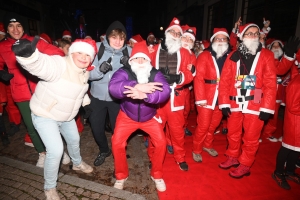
x: 4, y: 139
x: 14, y: 128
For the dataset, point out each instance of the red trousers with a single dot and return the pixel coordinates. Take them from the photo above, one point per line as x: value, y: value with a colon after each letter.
x: 207, y: 122
x: 124, y: 128
x: 271, y: 126
x: 14, y: 115
x: 187, y: 106
x: 243, y: 146
x: 79, y: 123
x: 174, y: 120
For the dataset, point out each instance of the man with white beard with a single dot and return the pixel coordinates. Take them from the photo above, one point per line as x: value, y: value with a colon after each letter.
x: 283, y: 61
x: 247, y: 95
x: 209, y: 67
x: 173, y: 61
x: 141, y: 88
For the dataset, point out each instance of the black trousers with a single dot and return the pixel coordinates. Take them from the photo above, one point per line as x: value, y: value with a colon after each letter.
x: 290, y: 157
x: 97, y: 120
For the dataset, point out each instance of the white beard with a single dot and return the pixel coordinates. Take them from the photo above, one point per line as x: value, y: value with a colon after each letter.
x: 173, y: 44
x: 187, y: 45
x: 251, y: 44
x: 277, y: 53
x: 220, y: 48
x: 142, y: 73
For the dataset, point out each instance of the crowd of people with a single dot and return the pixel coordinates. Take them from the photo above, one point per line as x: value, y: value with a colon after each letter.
x: 238, y: 79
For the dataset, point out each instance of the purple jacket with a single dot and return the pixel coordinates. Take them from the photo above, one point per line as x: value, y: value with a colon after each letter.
x: 138, y: 110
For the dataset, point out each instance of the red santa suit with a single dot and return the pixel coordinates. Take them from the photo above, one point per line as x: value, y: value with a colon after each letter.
x: 281, y: 65
x: 206, y: 85
x: 244, y: 110
x: 172, y: 111
x: 291, y: 136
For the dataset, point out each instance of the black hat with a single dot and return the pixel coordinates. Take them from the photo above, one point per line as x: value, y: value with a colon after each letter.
x: 113, y: 26
x: 12, y: 17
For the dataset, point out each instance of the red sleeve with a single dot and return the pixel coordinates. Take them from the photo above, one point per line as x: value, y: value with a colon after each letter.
x: 199, y: 84
x: 284, y: 65
x: 49, y: 49
x: 293, y: 96
x: 2, y: 62
x: 185, y: 60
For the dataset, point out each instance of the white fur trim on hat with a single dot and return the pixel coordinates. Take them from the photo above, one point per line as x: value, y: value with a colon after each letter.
x: 191, y: 35
x: 174, y: 26
x: 240, y: 35
x: 67, y: 36
x: 217, y: 33
x: 139, y: 55
x: 133, y: 40
x: 278, y: 42
x: 2, y: 33
x: 82, y: 47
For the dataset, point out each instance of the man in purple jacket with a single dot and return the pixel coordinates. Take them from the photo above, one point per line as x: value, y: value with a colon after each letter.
x: 141, y: 89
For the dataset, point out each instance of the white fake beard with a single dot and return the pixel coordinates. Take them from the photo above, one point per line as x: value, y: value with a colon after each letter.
x: 251, y: 44
x: 187, y: 45
x: 277, y: 53
x: 142, y: 73
x: 220, y: 48
x: 173, y: 44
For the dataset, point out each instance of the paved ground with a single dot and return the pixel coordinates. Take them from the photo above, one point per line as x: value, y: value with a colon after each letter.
x: 20, y: 179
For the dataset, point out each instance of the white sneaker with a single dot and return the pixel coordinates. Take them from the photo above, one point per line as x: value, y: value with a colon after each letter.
x: 51, y: 194
x: 41, y: 160
x: 159, y: 184
x: 272, y: 139
x: 119, y: 184
x: 280, y: 139
x: 83, y: 167
x: 66, y: 159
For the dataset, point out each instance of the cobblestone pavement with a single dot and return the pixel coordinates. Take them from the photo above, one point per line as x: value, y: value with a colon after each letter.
x: 27, y: 182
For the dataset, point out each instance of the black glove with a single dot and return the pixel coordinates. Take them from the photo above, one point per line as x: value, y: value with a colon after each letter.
x: 124, y: 60
x: 25, y: 48
x: 291, y: 46
x: 226, y: 112
x: 164, y: 70
x: 87, y: 111
x: 173, y: 78
x: 5, y: 76
x: 105, y: 66
x: 264, y: 116
x: 193, y: 69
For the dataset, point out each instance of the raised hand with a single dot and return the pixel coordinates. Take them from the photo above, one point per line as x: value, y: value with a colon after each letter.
x: 106, y: 66
x: 25, y: 48
x: 291, y: 46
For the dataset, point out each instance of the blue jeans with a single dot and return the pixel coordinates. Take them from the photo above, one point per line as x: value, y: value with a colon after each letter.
x: 49, y: 131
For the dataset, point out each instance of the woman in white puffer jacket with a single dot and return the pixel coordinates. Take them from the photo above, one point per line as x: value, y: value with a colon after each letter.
x: 57, y: 99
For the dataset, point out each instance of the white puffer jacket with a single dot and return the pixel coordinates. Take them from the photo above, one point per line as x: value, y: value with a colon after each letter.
x: 62, y: 89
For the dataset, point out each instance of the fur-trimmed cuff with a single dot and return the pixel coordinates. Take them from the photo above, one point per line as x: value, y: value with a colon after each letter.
x: 224, y: 106
x: 26, y: 61
x: 200, y: 102
x: 290, y: 58
x: 267, y: 110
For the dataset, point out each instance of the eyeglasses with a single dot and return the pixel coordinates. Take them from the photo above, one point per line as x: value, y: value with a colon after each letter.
x: 175, y: 34
x: 220, y: 39
x: 250, y: 34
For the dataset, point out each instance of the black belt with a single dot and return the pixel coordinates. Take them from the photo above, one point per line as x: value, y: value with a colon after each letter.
x: 241, y: 99
x: 210, y: 81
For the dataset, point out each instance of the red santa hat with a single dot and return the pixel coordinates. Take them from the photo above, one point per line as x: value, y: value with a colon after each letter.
x: 218, y: 31
x: 204, y: 44
x: 87, y: 46
x: 189, y: 31
x: 140, y: 50
x: 174, y: 23
x: 150, y: 34
x: 244, y: 28
x: 271, y: 41
x: 66, y: 34
x: 136, y: 38
x: 2, y: 29
x: 46, y: 38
